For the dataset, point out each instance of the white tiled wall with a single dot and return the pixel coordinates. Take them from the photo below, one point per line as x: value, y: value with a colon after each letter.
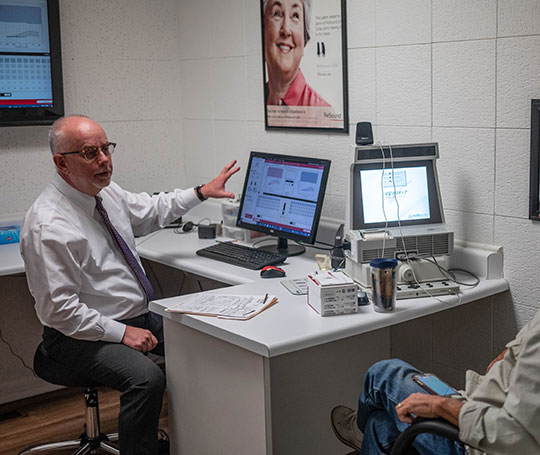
x: 466, y: 168
x: 458, y: 72
x: 518, y: 17
x: 464, y: 84
x: 362, y: 83
x: 517, y: 80
x: 457, y: 20
x: 403, y: 76
x: 512, y: 165
x: 121, y: 67
x: 179, y: 84
x: 402, y: 22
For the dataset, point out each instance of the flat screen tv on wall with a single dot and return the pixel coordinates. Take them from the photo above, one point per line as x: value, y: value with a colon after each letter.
x: 31, y: 90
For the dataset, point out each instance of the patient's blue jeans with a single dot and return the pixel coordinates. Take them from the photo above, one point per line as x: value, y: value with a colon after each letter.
x: 386, y: 384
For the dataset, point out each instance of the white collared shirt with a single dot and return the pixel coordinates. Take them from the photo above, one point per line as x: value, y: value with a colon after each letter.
x: 79, y: 278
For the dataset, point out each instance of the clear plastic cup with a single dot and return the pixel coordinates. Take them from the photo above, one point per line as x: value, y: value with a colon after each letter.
x: 384, y: 283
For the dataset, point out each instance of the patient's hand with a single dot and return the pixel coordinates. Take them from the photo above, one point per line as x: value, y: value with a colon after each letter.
x: 417, y: 405
x: 429, y: 406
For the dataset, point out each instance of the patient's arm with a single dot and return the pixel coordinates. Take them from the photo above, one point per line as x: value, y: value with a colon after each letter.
x: 496, y: 359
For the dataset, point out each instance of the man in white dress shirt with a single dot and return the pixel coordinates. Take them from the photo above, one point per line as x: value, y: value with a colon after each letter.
x: 92, y: 303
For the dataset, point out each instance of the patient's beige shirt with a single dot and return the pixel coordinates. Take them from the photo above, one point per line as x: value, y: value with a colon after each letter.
x: 502, y: 411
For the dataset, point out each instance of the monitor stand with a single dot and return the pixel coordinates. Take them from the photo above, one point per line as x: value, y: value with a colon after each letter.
x: 283, y: 247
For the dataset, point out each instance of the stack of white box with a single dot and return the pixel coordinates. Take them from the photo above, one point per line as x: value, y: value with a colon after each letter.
x: 332, y: 293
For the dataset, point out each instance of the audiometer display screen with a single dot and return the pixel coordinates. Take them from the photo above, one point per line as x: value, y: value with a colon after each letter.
x: 407, y: 194
x: 283, y: 195
x: 395, y: 194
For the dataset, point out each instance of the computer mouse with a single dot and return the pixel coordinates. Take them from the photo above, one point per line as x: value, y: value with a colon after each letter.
x: 271, y: 271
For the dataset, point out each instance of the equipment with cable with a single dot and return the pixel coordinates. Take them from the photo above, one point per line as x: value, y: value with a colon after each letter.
x: 395, y: 211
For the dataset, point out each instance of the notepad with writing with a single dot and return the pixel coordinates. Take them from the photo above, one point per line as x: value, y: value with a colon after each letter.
x: 240, y: 307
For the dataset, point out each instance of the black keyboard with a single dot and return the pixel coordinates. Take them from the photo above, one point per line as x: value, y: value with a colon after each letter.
x: 243, y: 256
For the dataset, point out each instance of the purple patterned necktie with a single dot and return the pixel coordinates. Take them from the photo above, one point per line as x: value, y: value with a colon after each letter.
x: 124, y: 248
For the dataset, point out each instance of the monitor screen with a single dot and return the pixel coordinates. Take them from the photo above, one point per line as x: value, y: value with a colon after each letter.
x: 30, y: 62
x: 395, y: 194
x: 407, y: 194
x: 283, y: 196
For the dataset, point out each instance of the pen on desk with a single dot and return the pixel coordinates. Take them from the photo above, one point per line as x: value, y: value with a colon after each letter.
x: 265, y: 298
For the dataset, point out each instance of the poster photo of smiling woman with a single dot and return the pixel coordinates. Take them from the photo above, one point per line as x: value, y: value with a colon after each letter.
x: 304, y: 63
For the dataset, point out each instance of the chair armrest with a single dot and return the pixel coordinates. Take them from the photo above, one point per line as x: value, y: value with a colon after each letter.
x: 438, y: 427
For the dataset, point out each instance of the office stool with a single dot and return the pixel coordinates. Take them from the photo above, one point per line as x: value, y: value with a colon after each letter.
x: 92, y: 438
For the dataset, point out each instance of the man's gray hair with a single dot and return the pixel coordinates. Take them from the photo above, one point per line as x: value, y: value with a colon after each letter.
x: 307, y: 17
x: 57, y: 135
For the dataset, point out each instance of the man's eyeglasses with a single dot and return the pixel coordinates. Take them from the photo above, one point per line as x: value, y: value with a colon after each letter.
x: 91, y: 153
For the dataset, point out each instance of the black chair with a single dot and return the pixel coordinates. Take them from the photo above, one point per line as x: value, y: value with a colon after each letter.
x: 440, y: 427
x: 404, y: 442
x: 92, y: 438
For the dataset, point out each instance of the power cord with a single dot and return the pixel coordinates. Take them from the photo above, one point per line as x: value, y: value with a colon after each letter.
x: 451, y: 276
x: 17, y: 355
x: 307, y: 245
x: 407, y: 257
x: 394, y: 195
x: 332, y: 250
x: 189, y: 226
x: 314, y: 246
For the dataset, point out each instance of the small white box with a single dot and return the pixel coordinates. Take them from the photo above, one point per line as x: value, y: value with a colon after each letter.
x: 229, y: 211
x: 332, y: 293
x: 244, y: 235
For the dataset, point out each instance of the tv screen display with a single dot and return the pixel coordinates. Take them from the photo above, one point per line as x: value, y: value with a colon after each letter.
x: 30, y: 63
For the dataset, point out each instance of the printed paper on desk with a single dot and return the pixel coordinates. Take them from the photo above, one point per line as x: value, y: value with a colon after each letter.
x: 241, y: 307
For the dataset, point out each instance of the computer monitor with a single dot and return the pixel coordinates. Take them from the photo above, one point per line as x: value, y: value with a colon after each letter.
x: 400, y: 190
x: 30, y: 63
x: 283, y: 196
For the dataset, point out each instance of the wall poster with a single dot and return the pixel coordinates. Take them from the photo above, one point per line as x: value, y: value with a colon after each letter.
x: 305, y: 64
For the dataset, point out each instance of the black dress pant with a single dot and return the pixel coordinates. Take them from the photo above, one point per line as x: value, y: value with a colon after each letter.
x: 140, y: 381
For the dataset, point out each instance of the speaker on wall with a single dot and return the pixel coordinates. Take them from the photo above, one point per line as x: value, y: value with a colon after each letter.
x: 364, y: 133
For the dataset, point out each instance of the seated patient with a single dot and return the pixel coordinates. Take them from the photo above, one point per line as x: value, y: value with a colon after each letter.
x: 90, y: 290
x: 497, y: 414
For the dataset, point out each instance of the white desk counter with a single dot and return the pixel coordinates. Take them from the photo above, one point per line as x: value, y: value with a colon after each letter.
x: 11, y: 261
x: 178, y: 251
x: 300, y: 327
x: 10, y: 256
x: 267, y: 385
